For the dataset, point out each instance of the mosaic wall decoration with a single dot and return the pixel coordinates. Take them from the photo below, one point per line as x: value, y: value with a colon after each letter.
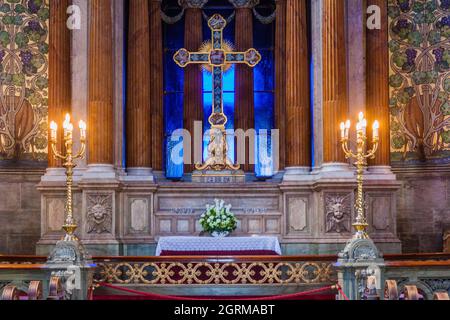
x: 419, y: 34
x: 23, y: 80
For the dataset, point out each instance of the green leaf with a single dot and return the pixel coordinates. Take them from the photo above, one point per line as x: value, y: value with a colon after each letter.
x: 44, y: 13
x: 446, y: 136
x: 398, y: 141
x: 42, y: 83
x: 396, y: 81
x: 418, y: 6
x: 393, y: 12
x: 434, y: 37
x: 5, y: 8
x: 5, y: 39
x: 445, y: 109
x: 21, y: 39
x: 415, y: 38
x: 394, y: 46
x: 18, y: 79
x: 400, y: 59
x: 20, y: 8
x: 447, y: 85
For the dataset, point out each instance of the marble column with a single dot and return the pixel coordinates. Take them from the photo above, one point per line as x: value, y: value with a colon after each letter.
x: 335, y: 101
x: 280, y: 78
x: 244, y: 109
x: 100, y: 104
x: 193, y: 78
x: 298, y: 128
x: 60, y: 84
x: 138, y: 109
x: 156, y: 84
x: 377, y: 86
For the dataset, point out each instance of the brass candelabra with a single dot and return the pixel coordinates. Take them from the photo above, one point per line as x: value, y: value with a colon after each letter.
x: 68, y: 158
x: 361, y: 156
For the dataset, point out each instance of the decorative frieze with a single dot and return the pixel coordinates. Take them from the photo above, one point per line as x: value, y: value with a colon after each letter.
x: 244, y: 3
x: 192, y: 4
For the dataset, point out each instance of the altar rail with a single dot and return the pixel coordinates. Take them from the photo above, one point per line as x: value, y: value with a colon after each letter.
x: 236, y: 275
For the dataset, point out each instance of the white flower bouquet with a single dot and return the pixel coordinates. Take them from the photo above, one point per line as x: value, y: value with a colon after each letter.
x: 218, y: 219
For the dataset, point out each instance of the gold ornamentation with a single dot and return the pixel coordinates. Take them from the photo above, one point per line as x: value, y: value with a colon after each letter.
x: 361, y: 157
x: 70, y: 224
x: 206, y: 273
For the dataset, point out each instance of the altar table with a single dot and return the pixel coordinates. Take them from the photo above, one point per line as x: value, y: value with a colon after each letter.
x: 259, y: 245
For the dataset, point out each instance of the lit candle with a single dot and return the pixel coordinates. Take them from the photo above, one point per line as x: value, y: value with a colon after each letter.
x: 82, y: 126
x: 376, y: 127
x: 364, y: 126
x: 53, y: 130
x: 348, y: 124
x: 342, y: 130
x: 68, y: 127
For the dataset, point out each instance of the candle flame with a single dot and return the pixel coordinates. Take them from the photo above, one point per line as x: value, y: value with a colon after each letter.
x: 66, y: 124
x: 348, y: 124
x: 361, y: 116
x: 82, y: 125
x: 53, y: 126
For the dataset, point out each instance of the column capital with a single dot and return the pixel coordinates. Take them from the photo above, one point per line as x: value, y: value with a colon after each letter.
x: 192, y: 4
x: 247, y: 4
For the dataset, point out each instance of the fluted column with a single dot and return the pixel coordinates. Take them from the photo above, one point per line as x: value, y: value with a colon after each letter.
x: 138, y: 88
x: 100, y: 108
x: 193, y: 79
x: 156, y: 84
x: 335, y: 105
x: 298, y: 143
x: 377, y: 84
x: 244, y: 109
x: 60, y: 87
x: 280, y: 78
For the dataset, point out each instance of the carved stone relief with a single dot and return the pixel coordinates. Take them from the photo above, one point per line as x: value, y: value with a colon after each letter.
x: 338, y: 213
x: 99, y: 213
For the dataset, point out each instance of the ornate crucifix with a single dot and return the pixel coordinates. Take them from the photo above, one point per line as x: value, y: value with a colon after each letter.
x: 217, y: 58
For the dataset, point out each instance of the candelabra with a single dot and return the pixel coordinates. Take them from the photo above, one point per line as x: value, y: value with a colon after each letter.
x: 68, y: 163
x: 361, y: 156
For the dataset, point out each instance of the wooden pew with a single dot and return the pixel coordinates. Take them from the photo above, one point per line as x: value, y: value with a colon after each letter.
x: 441, y: 296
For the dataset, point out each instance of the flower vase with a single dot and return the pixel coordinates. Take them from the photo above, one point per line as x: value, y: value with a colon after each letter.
x: 220, y: 234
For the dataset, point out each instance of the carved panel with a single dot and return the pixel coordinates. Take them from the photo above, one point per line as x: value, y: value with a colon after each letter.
x: 55, y: 214
x: 338, y: 212
x: 183, y: 226
x: 139, y: 214
x: 298, y: 214
x: 380, y: 209
x: 254, y: 226
x: 272, y: 225
x: 99, y: 213
x: 165, y: 226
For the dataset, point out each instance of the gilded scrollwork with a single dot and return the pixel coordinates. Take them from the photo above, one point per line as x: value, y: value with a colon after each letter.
x: 205, y: 273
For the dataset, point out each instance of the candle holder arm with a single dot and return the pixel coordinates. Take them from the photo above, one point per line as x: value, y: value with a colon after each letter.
x: 372, y: 153
x: 348, y: 153
x: 82, y: 152
x: 56, y: 154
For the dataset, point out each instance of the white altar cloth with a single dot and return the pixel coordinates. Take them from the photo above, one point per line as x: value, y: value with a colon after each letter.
x: 256, y: 243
